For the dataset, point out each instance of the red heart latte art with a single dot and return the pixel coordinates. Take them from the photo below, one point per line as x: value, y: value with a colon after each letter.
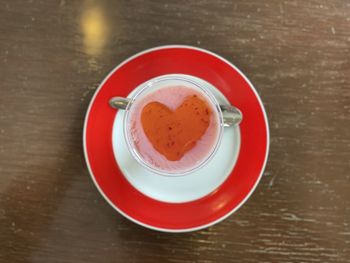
x: 173, y: 133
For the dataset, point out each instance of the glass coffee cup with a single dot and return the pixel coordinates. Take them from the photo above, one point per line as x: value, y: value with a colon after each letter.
x: 171, y: 90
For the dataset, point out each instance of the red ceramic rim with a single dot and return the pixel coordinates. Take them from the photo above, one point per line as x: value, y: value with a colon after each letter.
x: 200, y: 213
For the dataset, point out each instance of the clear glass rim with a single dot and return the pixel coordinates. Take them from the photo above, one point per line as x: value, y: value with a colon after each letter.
x: 130, y: 143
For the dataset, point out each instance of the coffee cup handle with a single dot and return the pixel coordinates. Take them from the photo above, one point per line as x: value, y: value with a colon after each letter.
x: 119, y: 103
x: 231, y: 115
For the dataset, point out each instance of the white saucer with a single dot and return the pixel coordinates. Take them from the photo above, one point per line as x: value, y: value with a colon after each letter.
x: 182, y: 188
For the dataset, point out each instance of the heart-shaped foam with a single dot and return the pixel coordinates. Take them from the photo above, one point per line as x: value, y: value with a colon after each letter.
x: 173, y: 133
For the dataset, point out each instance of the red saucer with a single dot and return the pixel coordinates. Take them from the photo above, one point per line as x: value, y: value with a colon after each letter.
x: 176, y: 217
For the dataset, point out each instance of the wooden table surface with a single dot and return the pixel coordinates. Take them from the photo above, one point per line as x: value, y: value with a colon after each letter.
x: 54, y: 54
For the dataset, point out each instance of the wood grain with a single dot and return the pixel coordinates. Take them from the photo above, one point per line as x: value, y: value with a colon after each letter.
x: 296, y: 53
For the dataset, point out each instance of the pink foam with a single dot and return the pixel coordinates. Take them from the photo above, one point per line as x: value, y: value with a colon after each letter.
x: 172, y: 97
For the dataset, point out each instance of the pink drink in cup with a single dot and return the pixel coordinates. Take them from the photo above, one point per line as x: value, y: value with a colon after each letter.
x: 172, y: 97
